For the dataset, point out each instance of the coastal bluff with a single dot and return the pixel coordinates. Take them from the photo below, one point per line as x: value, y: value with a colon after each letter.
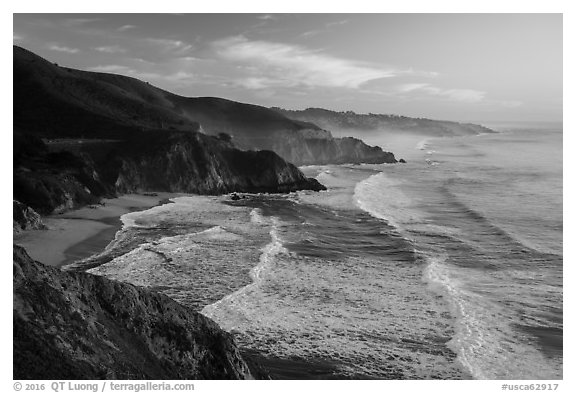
x: 196, y: 163
x: 80, y: 326
x: 80, y: 136
x: 380, y: 123
x: 254, y: 127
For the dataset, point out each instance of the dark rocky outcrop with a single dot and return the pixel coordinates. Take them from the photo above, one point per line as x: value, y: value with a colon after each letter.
x: 81, y: 326
x: 25, y: 218
x: 54, y: 181
x: 196, y: 163
x: 347, y: 121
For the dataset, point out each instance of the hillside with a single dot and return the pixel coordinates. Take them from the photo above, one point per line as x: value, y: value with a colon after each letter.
x: 351, y: 121
x: 56, y: 102
x: 81, y: 326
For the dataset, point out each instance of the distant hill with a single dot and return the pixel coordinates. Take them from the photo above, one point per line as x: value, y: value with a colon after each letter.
x: 344, y: 121
x: 54, y: 102
x: 257, y: 127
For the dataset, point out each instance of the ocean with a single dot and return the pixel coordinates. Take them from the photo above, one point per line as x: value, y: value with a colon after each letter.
x: 447, y: 267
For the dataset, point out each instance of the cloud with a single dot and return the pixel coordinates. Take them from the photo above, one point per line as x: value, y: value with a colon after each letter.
x: 337, y: 23
x: 80, y: 21
x: 65, y: 49
x: 141, y: 60
x: 507, y: 103
x: 327, y: 27
x: 257, y: 83
x: 126, y: 27
x: 459, y: 95
x: 112, y: 68
x: 291, y: 65
x: 267, y: 17
x: 178, y: 76
x: 312, y: 33
x: 467, y: 96
x: 110, y: 49
x: 427, y: 74
x: 176, y: 46
x: 409, y: 87
x: 16, y: 37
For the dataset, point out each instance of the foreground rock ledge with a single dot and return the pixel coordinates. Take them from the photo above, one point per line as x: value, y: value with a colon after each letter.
x: 81, y: 326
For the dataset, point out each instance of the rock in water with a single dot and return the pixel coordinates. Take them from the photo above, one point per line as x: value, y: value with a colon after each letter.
x: 81, y: 326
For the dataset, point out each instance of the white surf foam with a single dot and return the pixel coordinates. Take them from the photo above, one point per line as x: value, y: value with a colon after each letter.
x: 422, y: 145
x: 257, y: 274
x: 129, y: 220
x: 382, y: 198
x: 486, y: 344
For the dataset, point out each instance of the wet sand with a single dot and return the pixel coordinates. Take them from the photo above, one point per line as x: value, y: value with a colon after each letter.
x: 77, y: 234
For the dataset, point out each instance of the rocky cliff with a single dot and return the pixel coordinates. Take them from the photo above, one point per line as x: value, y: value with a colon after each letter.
x: 25, y: 218
x: 320, y: 151
x: 347, y: 121
x: 195, y: 163
x: 81, y: 326
x: 54, y: 181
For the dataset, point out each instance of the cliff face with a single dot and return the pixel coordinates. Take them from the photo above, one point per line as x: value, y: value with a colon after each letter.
x: 320, y: 151
x: 382, y: 123
x: 81, y: 326
x: 196, y: 163
x: 52, y: 182
x: 24, y: 218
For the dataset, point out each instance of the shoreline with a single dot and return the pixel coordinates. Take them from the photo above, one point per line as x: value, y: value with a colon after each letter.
x: 80, y: 233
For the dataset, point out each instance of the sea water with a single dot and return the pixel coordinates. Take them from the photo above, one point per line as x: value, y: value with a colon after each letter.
x: 449, y: 266
x: 486, y: 212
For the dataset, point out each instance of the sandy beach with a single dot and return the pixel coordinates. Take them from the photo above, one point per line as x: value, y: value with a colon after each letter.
x: 80, y: 233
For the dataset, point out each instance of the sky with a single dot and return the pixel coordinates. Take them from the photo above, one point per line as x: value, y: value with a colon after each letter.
x: 465, y: 67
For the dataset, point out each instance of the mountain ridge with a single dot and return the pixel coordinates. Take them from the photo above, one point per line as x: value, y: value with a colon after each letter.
x: 350, y: 120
